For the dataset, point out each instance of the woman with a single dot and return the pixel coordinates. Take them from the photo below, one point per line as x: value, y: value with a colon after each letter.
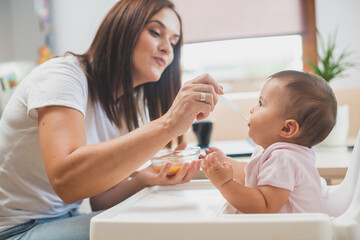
x: 74, y: 128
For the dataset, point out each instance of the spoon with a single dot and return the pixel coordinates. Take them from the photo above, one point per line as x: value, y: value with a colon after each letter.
x: 232, y: 106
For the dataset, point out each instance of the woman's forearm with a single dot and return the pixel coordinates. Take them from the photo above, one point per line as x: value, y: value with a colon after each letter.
x: 117, y: 194
x: 81, y: 174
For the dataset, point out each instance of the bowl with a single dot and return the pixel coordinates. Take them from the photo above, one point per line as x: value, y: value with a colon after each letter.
x: 176, y: 157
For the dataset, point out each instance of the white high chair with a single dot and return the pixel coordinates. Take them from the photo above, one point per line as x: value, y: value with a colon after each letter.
x: 193, y: 211
x: 337, y: 198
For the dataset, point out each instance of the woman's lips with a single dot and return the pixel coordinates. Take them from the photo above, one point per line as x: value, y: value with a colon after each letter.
x: 160, y: 61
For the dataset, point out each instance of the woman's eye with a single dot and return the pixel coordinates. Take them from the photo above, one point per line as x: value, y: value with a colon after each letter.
x: 155, y: 33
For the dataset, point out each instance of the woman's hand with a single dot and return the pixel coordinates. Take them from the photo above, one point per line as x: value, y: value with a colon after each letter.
x: 150, y: 176
x: 196, y: 99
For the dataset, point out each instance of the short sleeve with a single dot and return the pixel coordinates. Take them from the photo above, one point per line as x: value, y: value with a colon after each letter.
x: 279, y: 170
x: 60, y: 82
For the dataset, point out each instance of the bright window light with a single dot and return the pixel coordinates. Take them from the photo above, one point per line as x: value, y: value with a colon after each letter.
x: 242, y: 64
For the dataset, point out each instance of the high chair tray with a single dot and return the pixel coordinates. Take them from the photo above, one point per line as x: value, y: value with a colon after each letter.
x: 197, y: 210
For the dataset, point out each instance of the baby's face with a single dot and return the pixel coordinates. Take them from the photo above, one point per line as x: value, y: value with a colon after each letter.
x: 267, y: 118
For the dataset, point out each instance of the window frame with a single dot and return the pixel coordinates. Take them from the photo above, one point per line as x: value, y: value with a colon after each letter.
x: 309, y: 36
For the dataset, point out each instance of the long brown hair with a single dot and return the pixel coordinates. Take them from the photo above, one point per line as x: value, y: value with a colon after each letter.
x: 108, y: 61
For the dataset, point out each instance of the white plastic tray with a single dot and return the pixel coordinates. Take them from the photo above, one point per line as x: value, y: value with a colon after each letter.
x: 197, y: 210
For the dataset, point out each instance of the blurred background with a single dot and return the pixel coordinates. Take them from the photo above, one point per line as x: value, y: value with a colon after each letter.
x: 239, y: 42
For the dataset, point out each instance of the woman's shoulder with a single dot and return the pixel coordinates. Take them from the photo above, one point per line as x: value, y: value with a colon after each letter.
x: 58, y: 81
x: 55, y: 77
x: 67, y: 62
x: 64, y: 69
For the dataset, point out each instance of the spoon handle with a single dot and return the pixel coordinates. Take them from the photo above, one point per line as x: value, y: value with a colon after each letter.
x: 232, y: 106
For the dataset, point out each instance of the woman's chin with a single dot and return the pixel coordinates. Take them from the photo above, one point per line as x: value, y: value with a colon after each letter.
x: 147, y: 80
x: 154, y: 77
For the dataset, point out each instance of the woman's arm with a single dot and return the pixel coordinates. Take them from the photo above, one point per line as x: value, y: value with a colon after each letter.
x: 77, y: 171
x: 139, y: 180
x: 117, y: 194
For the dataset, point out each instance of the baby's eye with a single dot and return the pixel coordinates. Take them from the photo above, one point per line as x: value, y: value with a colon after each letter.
x: 260, y: 104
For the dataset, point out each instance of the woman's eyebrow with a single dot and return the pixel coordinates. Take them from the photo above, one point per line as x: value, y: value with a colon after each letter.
x: 162, y: 25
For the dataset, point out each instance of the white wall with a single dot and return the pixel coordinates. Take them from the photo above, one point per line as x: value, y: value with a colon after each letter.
x: 20, y: 35
x: 6, y: 45
x: 343, y: 16
x: 27, y: 36
x: 76, y: 23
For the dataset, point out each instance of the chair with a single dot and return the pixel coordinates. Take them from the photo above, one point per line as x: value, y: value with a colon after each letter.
x: 191, y: 211
x: 337, y: 198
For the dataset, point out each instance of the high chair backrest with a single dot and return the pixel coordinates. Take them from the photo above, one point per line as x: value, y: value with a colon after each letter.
x: 347, y: 225
x: 337, y: 198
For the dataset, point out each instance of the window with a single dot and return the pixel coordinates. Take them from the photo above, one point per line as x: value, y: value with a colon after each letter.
x: 242, y: 64
x: 241, y: 42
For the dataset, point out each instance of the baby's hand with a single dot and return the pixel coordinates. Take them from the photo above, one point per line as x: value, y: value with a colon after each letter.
x: 219, y: 172
x: 220, y: 154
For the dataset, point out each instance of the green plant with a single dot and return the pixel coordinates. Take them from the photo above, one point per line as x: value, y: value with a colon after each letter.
x: 330, y: 65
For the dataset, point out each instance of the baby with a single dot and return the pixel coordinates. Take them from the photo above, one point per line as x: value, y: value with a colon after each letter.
x: 296, y: 111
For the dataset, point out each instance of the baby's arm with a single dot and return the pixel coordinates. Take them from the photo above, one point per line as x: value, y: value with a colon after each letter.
x: 264, y: 199
x: 239, y: 172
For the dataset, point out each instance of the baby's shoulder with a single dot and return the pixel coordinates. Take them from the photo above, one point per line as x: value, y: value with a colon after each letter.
x: 292, y: 153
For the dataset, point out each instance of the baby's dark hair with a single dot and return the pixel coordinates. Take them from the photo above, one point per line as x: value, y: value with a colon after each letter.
x: 311, y: 102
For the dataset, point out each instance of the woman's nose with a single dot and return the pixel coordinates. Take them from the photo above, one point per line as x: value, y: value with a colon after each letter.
x: 165, y: 46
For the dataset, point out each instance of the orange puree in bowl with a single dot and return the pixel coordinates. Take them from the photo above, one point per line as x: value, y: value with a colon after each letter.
x: 172, y: 171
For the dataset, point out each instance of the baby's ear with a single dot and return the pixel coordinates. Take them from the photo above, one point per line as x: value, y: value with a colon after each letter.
x: 289, y: 129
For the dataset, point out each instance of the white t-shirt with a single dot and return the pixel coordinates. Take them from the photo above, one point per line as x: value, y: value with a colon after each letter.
x: 25, y: 191
x: 288, y: 166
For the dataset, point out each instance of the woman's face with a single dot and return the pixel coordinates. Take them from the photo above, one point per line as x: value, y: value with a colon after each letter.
x: 154, y: 49
x: 267, y: 118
